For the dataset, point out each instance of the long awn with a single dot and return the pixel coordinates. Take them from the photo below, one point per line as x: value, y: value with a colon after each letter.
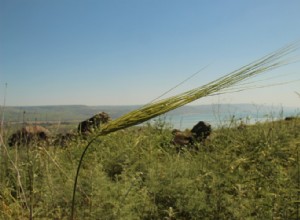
x: 269, y: 62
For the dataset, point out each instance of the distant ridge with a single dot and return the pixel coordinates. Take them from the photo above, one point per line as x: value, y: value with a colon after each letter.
x: 68, y: 113
x: 60, y: 112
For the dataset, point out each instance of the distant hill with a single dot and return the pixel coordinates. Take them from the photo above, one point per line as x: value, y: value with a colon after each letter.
x: 71, y: 113
x: 60, y: 112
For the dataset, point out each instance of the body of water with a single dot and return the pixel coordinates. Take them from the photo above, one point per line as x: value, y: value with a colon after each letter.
x: 183, y: 121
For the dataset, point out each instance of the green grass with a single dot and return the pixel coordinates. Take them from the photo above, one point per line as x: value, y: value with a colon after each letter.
x: 249, y: 173
x: 134, y: 173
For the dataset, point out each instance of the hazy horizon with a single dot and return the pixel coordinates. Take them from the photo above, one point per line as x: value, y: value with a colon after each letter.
x: 183, y: 117
x: 138, y: 105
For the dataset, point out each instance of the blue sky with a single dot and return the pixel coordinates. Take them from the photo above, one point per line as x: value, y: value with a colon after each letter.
x: 123, y: 52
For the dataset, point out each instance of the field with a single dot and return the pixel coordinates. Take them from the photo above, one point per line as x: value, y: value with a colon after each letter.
x: 248, y: 172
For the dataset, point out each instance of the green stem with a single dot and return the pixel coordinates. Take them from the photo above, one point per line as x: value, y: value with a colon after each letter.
x: 76, y: 177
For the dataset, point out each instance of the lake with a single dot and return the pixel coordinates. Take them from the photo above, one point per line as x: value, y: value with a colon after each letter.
x: 221, y: 118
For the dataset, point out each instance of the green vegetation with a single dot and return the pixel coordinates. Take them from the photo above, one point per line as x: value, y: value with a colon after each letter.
x: 242, y: 172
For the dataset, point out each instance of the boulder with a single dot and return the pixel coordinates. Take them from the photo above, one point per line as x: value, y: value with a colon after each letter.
x: 29, y: 134
x: 88, y: 126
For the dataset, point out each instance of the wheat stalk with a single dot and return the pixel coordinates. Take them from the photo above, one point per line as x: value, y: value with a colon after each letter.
x: 156, y: 108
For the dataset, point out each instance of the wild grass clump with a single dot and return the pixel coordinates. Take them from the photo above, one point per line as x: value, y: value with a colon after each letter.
x: 240, y: 173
